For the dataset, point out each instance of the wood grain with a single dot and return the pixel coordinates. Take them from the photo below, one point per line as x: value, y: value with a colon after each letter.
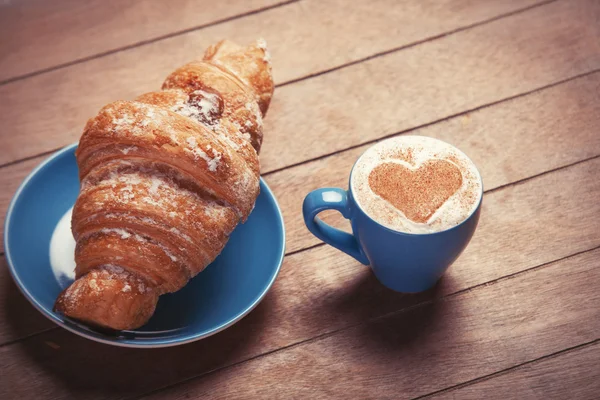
x: 14, y: 307
x: 430, y: 347
x: 44, y: 34
x: 299, y: 49
x: 571, y: 375
x: 320, y: 291
x: 508, y: 142
x: 10, y: 179
x: 437, y: 79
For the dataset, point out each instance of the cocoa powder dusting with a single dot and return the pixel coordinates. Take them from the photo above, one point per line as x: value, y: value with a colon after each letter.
x: 404, y: 155
x: 416, y: 193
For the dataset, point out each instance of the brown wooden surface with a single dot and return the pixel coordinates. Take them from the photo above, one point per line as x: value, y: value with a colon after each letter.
x: 298, y: 50
x: 515, y: 84
x: 573, y: 374
x: 46, y: 34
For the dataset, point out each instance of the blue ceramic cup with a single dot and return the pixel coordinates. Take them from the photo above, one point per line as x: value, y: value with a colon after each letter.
x: 404, y: 262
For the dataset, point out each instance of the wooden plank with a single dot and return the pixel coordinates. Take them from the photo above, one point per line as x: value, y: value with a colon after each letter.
x: 428, y: 348
x: 45, y: 34
x: 18, y: 317
x: 508, y: 142
x: 73, y: 94
x: 321, y: 291
x: 572, y: 375
x: 10, y: 179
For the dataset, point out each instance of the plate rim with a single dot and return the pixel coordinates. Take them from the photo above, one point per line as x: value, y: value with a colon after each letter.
x: 132, y: 343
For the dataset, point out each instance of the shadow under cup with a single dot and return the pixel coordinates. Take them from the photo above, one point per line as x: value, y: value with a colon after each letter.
x: 404, y: 262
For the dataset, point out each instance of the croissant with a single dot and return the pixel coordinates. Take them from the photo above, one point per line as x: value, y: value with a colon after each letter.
x: 164, y: 181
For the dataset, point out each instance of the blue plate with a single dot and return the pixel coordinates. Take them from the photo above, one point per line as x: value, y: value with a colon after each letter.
x: 221, y: 295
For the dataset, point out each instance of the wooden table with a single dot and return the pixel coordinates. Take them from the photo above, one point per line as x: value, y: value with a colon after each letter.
x: 513, y: 83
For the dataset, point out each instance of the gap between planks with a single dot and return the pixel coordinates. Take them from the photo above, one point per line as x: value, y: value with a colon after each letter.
x: 510, y: 369
x: 147, y: 41
x: 437, y: 121
x: 264, y: 9
x: 416, y: 43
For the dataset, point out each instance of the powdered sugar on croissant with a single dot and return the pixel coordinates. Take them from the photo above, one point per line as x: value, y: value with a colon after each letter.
x: 164, y: 181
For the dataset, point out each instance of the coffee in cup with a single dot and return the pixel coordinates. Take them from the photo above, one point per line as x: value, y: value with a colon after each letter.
x: 416, y: 184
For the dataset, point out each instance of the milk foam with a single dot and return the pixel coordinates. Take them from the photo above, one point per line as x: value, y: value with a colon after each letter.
x: 412, y: 152
x: 62, y: 251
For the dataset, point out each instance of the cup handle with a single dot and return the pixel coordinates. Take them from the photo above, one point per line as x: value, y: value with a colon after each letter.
x: 331, y: 199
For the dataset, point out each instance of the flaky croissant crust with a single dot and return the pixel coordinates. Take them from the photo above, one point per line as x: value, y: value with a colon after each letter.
x: 164, y: 181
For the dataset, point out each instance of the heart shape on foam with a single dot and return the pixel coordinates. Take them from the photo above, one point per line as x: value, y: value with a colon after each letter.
x: 419, y: 192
